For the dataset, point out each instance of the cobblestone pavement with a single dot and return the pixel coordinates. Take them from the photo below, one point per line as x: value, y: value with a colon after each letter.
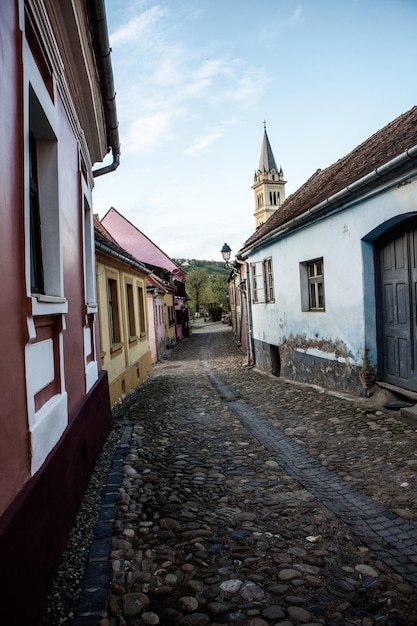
x: 239, y: 498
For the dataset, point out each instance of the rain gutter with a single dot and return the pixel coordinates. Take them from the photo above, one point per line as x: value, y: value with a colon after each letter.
x: 102, y: 49
x: 341, y: 195
x: 121, y: 257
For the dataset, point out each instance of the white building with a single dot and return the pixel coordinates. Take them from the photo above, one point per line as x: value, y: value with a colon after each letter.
x: 333, y: 271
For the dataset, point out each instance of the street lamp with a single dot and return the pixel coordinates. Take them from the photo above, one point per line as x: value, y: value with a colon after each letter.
x: 226, y: 252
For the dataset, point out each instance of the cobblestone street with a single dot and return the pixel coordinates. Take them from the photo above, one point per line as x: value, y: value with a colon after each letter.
x: 235, y: 497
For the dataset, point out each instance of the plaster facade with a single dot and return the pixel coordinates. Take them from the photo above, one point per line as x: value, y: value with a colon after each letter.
x: 126, y: 357
x: 55, y: 410
x: 335, y: 343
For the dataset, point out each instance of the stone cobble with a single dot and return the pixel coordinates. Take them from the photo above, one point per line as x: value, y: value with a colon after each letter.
x: 239, y: 498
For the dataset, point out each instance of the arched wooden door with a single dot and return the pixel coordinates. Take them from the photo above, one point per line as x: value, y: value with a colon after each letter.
x: 396, y: 271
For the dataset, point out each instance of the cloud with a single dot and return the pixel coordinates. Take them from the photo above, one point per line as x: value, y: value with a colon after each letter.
x: 166, y: 82
x: 148, y: 131
x: 202, y: 143
x: 275, y: 28
x: 294, y: 18
x: 138, y: 28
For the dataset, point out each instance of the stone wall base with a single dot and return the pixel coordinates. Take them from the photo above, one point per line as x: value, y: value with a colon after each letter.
x: 35, y: 528
x: 314, y: 370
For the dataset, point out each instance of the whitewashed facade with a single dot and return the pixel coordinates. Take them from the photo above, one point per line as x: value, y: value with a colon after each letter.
x: 321, y: 293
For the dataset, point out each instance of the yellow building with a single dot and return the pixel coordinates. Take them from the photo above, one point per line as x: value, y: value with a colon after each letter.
x: 124, y: 328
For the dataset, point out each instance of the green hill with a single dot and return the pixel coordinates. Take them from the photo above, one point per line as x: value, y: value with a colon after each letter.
x: 212, y: 267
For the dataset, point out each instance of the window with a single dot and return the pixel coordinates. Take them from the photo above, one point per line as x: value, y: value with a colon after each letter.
x: 262, y: 281
x: 89, y: 264
x: 130, y: 311
x: 274, y: 198
x: 36, y: 264
x: 171, y: 316
x: 44, y: 252
x: 312, y: 285
x: 142, y: 328
x: 257, y: 282
x: 269, y: 280
x: 114, y: 320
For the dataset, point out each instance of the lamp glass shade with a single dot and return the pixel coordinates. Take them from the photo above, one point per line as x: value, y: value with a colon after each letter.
x: 226, y: 252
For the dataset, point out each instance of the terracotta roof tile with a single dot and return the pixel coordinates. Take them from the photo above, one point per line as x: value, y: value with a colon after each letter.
x: 386, y: 144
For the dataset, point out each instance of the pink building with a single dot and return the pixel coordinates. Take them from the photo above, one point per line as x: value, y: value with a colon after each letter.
x: 143, y: 249
x: 58, y: 119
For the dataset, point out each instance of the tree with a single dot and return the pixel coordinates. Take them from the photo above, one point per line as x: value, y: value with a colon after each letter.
x: 197, y: 283
x: 219, y: 290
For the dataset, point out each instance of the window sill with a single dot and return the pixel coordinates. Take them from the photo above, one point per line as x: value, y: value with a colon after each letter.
x: 43, y: 304
x: 133, y: 340
x: 116, y: 348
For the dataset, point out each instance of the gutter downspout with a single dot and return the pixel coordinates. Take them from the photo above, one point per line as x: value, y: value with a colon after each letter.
x: 338, y: 196
x: 102, y: 50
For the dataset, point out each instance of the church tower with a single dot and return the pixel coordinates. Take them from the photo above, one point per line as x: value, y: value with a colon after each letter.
x: 269, y: 184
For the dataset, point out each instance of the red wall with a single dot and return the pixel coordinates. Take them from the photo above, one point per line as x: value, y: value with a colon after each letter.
x: 37, y: 513
x: 14, y: 440
x: 34, y: 530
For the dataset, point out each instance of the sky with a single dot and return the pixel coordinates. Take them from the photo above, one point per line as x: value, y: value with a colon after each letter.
x: 196, y: 79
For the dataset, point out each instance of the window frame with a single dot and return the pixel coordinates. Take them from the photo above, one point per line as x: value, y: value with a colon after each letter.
x: 130, y: 310
x: 37, y: 285
x: 90, y: 291
x: 257, y: 282
x: 142, y: 315
x: 268, y: 273
x: 41, y: 150
x: 113, y: 309
x: 312, y: 285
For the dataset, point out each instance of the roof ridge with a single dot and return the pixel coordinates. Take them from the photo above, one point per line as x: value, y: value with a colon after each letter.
x: 389, y: 142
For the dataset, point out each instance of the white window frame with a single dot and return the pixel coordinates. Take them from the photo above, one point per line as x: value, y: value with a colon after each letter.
x: 257, y: 282
x: 268, y: 272
x: 312, y: 285
x: 42, y: 119
x: 90, y: 291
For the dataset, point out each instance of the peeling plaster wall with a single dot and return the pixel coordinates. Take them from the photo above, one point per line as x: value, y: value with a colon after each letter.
x: 337, y: 347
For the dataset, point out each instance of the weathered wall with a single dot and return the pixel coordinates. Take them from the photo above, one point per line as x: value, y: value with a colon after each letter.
x: 334, y: 346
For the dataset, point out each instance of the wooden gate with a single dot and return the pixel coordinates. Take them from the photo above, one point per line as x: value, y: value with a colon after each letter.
x: 396, y: 265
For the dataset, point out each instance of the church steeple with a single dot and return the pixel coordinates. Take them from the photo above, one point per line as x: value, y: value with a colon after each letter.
x: 269, y: 184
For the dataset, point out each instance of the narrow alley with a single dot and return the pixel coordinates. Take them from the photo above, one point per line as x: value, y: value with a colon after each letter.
x: 235, y: 497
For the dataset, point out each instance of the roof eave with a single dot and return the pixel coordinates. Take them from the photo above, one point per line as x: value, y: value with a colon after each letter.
x: 337, y: 200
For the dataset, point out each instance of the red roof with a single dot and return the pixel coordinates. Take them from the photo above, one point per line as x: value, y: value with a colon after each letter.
x: 391, y: 141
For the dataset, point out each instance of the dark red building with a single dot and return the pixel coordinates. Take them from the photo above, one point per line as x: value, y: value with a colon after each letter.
x: 58, y: 119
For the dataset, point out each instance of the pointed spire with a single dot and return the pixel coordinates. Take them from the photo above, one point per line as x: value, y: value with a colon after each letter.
x: 267, y: 161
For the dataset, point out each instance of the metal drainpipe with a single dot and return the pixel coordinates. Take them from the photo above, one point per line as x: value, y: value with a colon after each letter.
x: 102, y: 50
